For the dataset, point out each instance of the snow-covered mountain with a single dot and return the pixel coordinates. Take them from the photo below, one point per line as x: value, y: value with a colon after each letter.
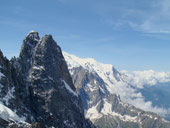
x: 107, y: 94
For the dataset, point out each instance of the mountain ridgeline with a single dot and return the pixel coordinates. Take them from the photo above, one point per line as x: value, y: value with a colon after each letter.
x: 36, y: 89
x: 97, y: 84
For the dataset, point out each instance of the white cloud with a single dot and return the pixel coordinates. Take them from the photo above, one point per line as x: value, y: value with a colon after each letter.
x: 150, y: 77
x: 147, y: 106
x: 138, y: 79
x: 131, y: 96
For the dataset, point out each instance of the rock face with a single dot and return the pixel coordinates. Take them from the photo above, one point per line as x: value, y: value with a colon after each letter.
x: 94, y: 83
x: 38, y: 88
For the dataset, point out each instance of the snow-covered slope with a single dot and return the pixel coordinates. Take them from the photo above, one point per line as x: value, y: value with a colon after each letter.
x: 8, y: 115
x: 125, y: 84
x: 96, y: 82
x: 106, y: 71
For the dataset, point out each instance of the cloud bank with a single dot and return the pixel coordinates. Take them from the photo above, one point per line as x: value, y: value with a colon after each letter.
x: 136, y: 80
x: 140, y: 78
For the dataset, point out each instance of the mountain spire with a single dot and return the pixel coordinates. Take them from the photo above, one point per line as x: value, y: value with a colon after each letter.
x: 33, y: 35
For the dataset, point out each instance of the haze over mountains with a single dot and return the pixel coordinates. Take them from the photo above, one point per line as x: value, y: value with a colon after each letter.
x: 45, y: 87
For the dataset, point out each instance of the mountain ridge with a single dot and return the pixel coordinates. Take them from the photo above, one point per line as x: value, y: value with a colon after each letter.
x: 43, y: 92
x: 97, y: 86
x: 37, y: 91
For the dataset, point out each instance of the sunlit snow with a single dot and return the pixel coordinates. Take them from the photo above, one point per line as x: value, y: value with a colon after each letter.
x: 123, y: 86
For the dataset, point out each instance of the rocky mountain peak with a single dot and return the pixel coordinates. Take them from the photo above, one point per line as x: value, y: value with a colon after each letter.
x: 48, y: 56
x: 3, y: 59
x: 1, y: 54
x: 47, y: 38
x: 48, y: 91
x: 33, y: 35
x: 29, y: 44
x: 27, y: 52
x: 38, y: 87
x: 48, y: 44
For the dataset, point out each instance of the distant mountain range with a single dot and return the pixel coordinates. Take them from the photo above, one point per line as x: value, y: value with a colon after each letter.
x: 44, y: 89
x: 108, y: 95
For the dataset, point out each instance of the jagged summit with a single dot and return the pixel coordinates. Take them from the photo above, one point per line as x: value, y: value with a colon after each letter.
x: 1, y: 54
x: 33, y: 35
x: 48, y: 37
x: 40, y: 85
x: 47, y: 41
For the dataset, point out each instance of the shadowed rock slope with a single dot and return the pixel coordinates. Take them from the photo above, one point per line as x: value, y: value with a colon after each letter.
x: 37, y: 87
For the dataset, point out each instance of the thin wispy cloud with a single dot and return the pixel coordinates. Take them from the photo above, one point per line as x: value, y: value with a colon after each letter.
x: 152, y: 18
x: 130, y: 33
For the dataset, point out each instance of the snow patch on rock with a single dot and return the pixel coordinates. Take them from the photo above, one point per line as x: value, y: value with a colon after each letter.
x: 92, y: 113
x: 107, y: 110
x: 9, y: 115
x: 9, y: 95
x: 69, y: 89
x: 33, y: 35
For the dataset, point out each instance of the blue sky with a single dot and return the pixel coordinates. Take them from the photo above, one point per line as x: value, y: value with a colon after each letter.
x: 130, y: 34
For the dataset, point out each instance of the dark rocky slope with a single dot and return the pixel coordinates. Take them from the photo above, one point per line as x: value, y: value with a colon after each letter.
x: 39, y: 88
